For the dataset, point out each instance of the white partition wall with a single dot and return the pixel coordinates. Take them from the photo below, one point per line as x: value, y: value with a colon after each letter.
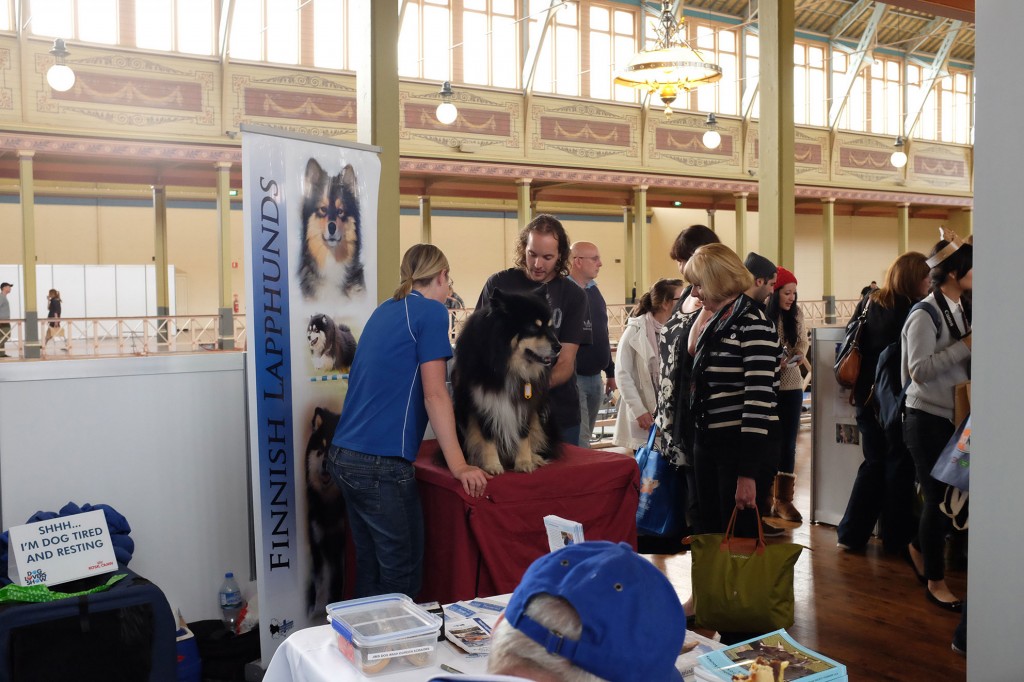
x: 162, y: 439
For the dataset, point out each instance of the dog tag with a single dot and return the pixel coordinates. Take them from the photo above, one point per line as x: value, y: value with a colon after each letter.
x: 528, y: 390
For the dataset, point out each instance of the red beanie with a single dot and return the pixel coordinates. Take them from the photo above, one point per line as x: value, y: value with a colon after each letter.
x: 785, y: 277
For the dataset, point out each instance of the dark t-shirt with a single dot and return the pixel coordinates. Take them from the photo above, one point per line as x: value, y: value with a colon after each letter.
x: 596, y: 357
x: 571, y: 318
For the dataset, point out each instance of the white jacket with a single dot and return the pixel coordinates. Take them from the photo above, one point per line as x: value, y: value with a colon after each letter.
x: 637, y: 394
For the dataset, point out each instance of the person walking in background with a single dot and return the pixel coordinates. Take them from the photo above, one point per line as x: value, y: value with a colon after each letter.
x: 935, y: 360
x: 736, y: 354
x: 789, y: 324
x: 884, y: 486
x: 5, y: 317
x: 542, y: 260
x: 638, y: 363
x: 53, y: 328
x: 595, y: 357
x: 397, y: 383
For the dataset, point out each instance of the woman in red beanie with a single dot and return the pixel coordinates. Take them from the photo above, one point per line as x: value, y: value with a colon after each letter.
x: 789, y: 322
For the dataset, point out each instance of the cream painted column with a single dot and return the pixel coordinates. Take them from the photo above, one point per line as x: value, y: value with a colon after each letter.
x: 828, y: 230
x: 711, y: 219
x: 776, y: 203
x: 377, y: 116
x: 903, y: 228
x: 163, y: 300
x: 741, y: 223
x: 627, y: 219
x: 426, y: 230
x: 966, y: 222
x: 524, y: 207
x: 641, y: 240
x: 225, y: 304
x: 28, y: 253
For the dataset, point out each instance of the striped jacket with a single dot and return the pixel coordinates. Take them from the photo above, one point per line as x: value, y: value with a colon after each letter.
x: 736, y: 381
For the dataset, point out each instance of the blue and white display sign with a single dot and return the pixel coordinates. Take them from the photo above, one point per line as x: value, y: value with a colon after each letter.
x: 310, y: 208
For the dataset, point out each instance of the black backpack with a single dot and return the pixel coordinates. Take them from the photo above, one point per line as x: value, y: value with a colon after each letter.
x: 889, y: 392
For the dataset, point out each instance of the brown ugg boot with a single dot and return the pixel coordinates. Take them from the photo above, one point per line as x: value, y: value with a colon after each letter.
x: 782, y: 491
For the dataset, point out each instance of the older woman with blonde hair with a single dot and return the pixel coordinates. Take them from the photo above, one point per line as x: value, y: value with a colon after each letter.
x: 736, y: 356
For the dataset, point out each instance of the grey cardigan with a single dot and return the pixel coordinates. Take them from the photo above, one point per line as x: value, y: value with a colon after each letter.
x: 935, y: 365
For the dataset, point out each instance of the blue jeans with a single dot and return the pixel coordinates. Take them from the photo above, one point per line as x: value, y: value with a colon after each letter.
x: 385, y: 519
x: 591, y: 393
x: 790, y: 404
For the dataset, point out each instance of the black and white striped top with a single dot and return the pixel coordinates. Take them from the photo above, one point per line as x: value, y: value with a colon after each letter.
x: 736, y: 380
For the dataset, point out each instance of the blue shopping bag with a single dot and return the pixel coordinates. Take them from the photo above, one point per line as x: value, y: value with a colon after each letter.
x: 661, y: 509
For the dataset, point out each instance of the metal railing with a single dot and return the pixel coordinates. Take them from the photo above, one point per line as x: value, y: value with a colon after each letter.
x: 112, y: 336
x: 78, y: 337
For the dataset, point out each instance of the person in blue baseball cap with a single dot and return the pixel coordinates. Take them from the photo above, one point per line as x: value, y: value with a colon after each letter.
x: 590, y: 612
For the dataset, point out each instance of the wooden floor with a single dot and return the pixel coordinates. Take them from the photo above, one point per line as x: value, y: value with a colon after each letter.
x: 865, y: 610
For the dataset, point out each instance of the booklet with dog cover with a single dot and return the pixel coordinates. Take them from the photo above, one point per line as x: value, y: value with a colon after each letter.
x: 562, y: 532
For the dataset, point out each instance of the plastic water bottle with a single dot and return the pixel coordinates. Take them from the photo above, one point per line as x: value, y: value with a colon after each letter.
x: 231, y: 602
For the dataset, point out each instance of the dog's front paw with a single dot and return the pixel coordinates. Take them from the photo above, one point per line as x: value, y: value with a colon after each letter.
x: 493, y: 469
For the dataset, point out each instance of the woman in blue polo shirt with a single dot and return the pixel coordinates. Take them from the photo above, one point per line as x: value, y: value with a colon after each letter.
x: 397, y: 382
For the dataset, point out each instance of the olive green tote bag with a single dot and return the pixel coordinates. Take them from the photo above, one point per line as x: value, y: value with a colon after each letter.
x: 742, y: 584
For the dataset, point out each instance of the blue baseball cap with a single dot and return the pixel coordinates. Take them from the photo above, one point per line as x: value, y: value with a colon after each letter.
x: 633, y: 623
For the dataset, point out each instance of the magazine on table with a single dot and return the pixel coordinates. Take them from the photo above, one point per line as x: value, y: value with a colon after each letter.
x: 562, y: 532
x: 776, y: 654
x: 472, y: 635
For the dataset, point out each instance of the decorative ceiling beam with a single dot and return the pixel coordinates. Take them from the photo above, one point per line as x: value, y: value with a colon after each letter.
x: 227, y: 10
x: 926, y: 33
x: 842, y: 93
x: 530, y: 63
x: 930, y: 76
x: 851, y: 15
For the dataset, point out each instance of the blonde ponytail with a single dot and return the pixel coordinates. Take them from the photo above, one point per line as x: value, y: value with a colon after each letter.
x: 420, y: 264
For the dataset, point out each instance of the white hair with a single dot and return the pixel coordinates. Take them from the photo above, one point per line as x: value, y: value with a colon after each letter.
x: 512, y: 651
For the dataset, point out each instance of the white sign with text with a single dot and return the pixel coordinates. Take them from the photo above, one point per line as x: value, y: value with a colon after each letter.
x: 61, y: 549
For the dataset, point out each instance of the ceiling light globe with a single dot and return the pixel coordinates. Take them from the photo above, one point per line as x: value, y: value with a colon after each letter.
x: 447, y: 113
x: 60, y: 77
x: 898, y: 159
x: 711, y: 139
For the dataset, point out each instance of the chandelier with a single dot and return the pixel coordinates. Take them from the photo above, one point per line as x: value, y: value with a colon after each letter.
x: 671, y: 67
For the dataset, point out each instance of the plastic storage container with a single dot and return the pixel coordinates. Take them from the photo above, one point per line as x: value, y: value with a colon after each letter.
x: 385, y: 634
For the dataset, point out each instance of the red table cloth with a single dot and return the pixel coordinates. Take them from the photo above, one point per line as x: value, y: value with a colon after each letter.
x: 482, y: 547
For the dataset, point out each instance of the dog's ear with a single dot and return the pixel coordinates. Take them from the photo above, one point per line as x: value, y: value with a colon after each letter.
x: 348, y: 178
x: 315, y: 176
x: 318, y: 418
x: 499, y: 301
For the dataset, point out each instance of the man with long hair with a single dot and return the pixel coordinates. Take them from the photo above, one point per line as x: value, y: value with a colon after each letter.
x: 542, y: 261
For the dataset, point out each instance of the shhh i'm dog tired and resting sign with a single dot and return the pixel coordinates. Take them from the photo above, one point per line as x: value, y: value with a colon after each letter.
x: 60, y: 550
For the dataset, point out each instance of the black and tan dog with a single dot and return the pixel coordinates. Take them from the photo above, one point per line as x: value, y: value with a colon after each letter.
x: 325, y: 518
x: 503, y: 361
x: 331, y: 257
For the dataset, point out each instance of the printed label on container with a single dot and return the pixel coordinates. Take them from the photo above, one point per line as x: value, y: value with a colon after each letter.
x: 400, y: 652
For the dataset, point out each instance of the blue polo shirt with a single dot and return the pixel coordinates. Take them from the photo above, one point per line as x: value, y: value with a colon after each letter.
x: 384, y: 413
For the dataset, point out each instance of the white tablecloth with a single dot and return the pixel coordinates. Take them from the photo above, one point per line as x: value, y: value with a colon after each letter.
x: 311, y: 655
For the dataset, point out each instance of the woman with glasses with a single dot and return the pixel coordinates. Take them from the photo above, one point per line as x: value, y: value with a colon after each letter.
x: 638, y: 363
x: 396, y: 383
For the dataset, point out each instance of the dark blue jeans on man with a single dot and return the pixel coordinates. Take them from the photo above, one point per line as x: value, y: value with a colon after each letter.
x: 384, y: 518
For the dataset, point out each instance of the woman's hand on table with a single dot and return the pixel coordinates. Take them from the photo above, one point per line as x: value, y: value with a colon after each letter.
x: 473, y: 480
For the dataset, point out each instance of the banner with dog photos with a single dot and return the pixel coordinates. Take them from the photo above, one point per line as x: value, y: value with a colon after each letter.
x: 310, y: 207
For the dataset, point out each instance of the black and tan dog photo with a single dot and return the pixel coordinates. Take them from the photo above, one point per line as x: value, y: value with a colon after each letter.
x: 332, y: 346
x: 503, y: 361
x: 325, y: 518
x: 331, y: 259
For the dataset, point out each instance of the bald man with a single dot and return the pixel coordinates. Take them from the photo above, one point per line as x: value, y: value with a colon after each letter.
x: 591, y: 360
